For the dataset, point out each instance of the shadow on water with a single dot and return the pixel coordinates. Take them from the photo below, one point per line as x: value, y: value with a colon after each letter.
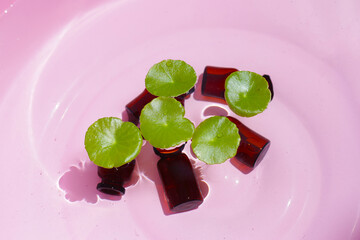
x: 79, y: 183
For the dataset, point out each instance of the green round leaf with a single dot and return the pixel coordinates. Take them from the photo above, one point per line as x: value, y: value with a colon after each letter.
x: 163, y: 125
x: 215, y: 140
x: 170, y: 78
x: 111, y: 142
x: 247, y: 93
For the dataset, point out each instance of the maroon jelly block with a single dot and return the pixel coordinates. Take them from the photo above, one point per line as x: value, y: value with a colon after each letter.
x: 167, y: 152
x: 213, y: 82
x: 180, y: 184
x: 113, y: 179
x: 253, y: 146
x: 134, y: 107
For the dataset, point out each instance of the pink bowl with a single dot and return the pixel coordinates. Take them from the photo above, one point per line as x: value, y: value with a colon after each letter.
x: 64, y: 65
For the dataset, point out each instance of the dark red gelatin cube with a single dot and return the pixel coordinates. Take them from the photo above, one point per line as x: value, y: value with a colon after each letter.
x: 134, y: 107
x: 180, y: 184
x: 213, y: 83
x: 253, y: 146
x: 113, y: 179
x: 169, y: 152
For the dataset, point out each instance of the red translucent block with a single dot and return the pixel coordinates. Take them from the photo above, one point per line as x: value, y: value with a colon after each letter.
x: 113, y: 179
x: 213, y: 82
x: 168, y: 152
x: 179, y: 182
x: 253, y: 146
x: 134, y: 107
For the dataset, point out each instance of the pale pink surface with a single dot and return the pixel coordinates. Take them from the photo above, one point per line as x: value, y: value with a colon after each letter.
x: 64, y: 65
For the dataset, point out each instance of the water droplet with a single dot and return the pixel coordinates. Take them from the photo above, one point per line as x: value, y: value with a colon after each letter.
x: 169, y: 63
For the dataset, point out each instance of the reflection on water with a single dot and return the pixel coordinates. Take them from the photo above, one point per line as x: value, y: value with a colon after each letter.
x: 215, y: 111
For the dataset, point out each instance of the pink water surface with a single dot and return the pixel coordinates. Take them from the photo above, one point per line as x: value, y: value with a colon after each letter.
x: 64, y: 65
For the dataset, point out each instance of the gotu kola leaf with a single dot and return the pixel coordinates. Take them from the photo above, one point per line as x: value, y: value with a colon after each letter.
x: 110, y: 142
x: 247, y: 93
x: 215, y: 140
x: 170, y: 78
x: 163, y: 125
